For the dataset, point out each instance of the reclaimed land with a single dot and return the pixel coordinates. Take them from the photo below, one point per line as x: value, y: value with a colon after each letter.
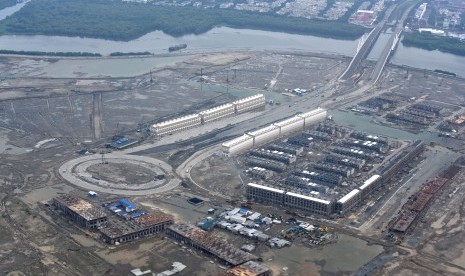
x: 428, y: 41
x: 123, y: 21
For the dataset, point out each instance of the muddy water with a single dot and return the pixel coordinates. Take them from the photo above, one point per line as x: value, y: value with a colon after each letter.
x: 366, y: 124
x: 7, y: 148
x: 115, y: 67
x: 348, y: 254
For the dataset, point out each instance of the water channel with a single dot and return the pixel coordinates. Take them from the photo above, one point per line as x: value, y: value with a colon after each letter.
x: 221, y: 39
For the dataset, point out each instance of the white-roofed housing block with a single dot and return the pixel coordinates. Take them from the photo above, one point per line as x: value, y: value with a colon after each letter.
x: 370, y: 185
x: 238, y: 145
x: 249, y: 103
x: 217, y: 113
x: 264, y: 135
x: 314, y: 116
x: 290, y: 125
x: 176, y: 125
x: 276, y: 130
x: 308, y: 204
x: 348, y: 201
x: 265, y: 194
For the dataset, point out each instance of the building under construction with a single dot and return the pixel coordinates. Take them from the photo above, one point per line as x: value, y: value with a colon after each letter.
x: 80, y: 211
x: 249, y: 268
x: 209, y: 244
x: 389, y: 170
x: 417, y: 204
x: 279, y: 197
x: 120, y: 231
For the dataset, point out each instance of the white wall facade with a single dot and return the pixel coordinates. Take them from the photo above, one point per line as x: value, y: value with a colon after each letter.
x: 264, y: 135
x: 314, y: 116
x: 217, y: 113
x: 238, y: 145
x: 290, y: 125
x: 176, y: 125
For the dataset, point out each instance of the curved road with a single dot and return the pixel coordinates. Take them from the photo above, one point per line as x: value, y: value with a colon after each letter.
x: 72, y: 172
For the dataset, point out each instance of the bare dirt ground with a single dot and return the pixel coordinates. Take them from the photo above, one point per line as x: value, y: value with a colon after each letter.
x: 35, y: 106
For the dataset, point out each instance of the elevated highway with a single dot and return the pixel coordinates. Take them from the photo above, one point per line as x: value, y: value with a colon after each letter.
x: 361, y: 53
x: 365, y: 48
x: 389, y: 48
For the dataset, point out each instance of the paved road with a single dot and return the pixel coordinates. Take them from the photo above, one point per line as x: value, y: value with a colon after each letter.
x: 362, y: 53
x: 72, y: 171
x: 366, y: 47
x: 390, y: 45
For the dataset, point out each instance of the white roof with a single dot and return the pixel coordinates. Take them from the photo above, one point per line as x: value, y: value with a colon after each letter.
x: 234, y: 211
x: 180, y: 119
x: 263, y: 130
x: 266, y: 188
x: 254, y: 216
x: 348, y: 196
x: 312, y: 113
x: 217, y: 108
x: 235, y: 141
x: 289, y: 121
x: 249, y: 98
x: 308, y: 198
x: 370, y: 181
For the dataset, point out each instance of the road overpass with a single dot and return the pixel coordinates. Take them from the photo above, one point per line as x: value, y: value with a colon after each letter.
x: 361, y: 53
x: 389, y: 48
x: 365, y: 48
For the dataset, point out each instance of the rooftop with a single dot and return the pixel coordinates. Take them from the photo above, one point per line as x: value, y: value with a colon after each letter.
x: 215, y: 245
x: 249, y: 268
x: 370, y: 181
x: 312, y: 113
x: 249, y: 98
x: 262, y: 130
x: 265, y: 188
x: 81, y: 207
x: 217, y: 108
x: 180, y: 119
x: 237, y: 140
x: 289, y: 121
x: 118, y: 228
x: 154, y: 218
x: 348, y: 196
x: 308, y: 198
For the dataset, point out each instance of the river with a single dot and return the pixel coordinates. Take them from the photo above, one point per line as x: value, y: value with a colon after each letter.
x: 223, y: 38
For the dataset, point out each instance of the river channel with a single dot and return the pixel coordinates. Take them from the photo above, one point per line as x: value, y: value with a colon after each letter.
x: 222, y: 39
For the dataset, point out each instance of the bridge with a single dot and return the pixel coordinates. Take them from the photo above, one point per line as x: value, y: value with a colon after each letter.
x: 362, y: 52
x: 365, y: 48
x: 390, y: 46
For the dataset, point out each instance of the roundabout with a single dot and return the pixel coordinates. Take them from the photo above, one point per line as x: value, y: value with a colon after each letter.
x: 119, y: 173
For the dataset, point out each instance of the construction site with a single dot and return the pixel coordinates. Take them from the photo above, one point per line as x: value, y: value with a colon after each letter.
x: 235, y: 163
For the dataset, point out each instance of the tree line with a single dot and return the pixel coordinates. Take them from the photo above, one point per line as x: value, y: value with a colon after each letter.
x: 118, y: 20
x: 428, y: 41
x: 55, y: 54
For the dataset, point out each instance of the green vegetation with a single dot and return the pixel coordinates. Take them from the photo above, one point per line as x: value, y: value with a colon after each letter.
x: 117, y: 20
x: 54, y: 54
x: 120, y: 54
x: 7, y: 3
x: 428, y: 41
x: 445, y: 72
